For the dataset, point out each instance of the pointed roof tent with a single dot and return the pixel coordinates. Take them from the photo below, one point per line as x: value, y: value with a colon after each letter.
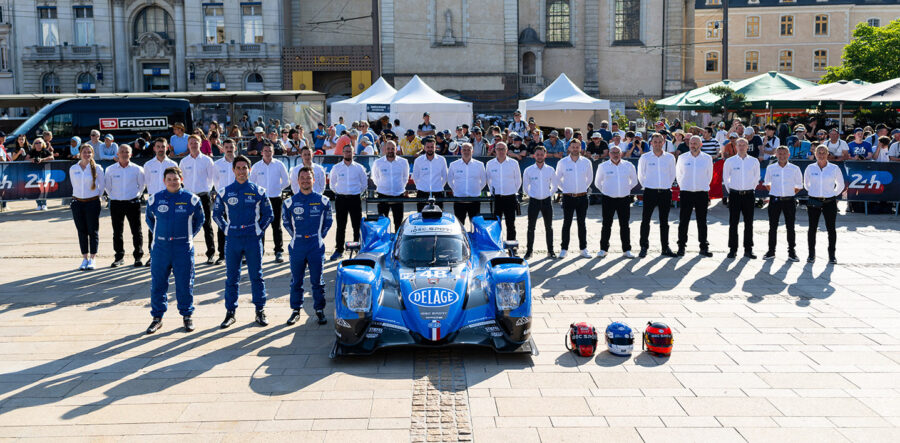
x: 886, y: 91
x: 379, y: 94
x: 416, y: 97
x: 758, y: 90
x: 563, y: 104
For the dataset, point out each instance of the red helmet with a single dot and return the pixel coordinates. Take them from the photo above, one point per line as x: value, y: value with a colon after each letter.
x: 658, y: 338
x: 581, y: 339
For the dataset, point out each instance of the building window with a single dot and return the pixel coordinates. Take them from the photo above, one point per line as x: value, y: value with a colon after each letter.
x: 215, y: 81
x: 787, y: 25
x: 821, y: 27
x: 86, y: 82
x: 874, y: 22
x: 84, y: 25
x: 50, y: 83
x: 753, y: 26
x: 712, y: 61
x: 786, y: 60
x: 154, y: 19
x: 254, y: 82
x: 558, y: 22
x: 627, y: 21
x: 4, y: 56
x: 529, y: 63
x: 214, y: 23
x: 820, y: 59
x: 48, y: 25
x: 712, y: 29
x: 751, y: 61
x: 251, y: 22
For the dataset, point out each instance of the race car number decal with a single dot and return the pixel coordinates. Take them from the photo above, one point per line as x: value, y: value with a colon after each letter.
x: 425, y: 273
x: 433, y: 297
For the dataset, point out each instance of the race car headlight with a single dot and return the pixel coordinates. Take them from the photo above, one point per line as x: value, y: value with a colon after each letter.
x: 357, y: 296
x: 509, y: 295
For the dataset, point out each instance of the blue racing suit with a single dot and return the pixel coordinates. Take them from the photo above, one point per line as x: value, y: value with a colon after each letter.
x: 243, y: 212
x: 174, y: 219
x: 307, y: 219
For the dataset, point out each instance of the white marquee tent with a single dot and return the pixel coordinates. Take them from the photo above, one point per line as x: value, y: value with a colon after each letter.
x: 370, y: 104
x: 563, y: 104
x: 416, y: 98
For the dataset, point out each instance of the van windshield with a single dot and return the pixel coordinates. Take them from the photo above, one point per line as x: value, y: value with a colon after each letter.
x: 33, y: 120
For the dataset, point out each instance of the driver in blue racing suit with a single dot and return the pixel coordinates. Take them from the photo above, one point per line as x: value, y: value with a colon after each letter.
x: 174, y: 217
x: 307, y: 217
x: 243, y: 212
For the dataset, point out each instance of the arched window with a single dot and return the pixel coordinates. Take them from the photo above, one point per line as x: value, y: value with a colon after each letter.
x: 154, y: 19
x: 215, y: 81
x: 627, y: 16
x: 558, y: 22
x: 528, y: 63
x: 254, y: 82
x: 85, y: 82
x: 50, y: 83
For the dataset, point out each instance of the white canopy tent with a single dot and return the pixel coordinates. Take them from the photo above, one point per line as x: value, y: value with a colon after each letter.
x: 371, y: 104
x: 564, y: 104
x: 416, y: 98
x: 886, y: 91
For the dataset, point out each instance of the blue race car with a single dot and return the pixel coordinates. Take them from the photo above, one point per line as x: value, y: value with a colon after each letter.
x: 432, y: 285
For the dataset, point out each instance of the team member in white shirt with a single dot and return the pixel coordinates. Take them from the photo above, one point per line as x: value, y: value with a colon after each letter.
x: 87, y: 186
x: 693, y: 171
x: 615, y: 179
x: 656, y: 173
x: 224, y: 177
x: 153, y: 176
x: 199, y: 177
x: 740, y: 175
x: 318, y: 172
x: 504, y: 181
x: 430, y: 174
x: 272, y: 175
x: 390, y: 174
x: 783, y: 180
x: 574, y: 174
x: 824, y: 182
x: 348, y: 180
x: 539, y: 183
x: 124, y: 185
x: 466, y: 178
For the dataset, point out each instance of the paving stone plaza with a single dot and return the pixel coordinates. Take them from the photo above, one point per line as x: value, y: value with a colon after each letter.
x: 764, y: 350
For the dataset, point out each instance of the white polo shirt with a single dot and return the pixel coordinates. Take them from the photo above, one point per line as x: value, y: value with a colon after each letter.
x: 430, y: 175
x: 466, y: 179
x: 124, y: 183
x: 273, y: 177
x: 740, y: 174
x: 390, y: 177
x: 348, y: 180
x: 614, y: 180
x: 503, y: 178
x: 574, y: 177
x: 82, y: 179
x: 539, y: 183
x: 694, y: 173
x: 153, y: 174
x: 784, y: 181
x: 199, y: 173
x: 656, y: 171
x: 823, y: 182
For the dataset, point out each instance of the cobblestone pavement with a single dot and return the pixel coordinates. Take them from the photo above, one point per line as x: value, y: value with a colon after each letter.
x: 764, y: 351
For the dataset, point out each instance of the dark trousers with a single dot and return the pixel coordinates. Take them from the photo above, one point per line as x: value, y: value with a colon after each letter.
x: 788, y: 207
x: 829, y: 209
x: 120, y: 210
x: 345, y: 205
x: 577, y: 206
x: 426, y: 195
x: 620, y: 207
x: 505, y: 207
x: 395, y: 208
x: 207, y: 225
x: 653, y: 199
x: 276, y: 225
x: 544, y: 208
x: 87, y: 222
x: 697, y: 202
x: 740, y: 204
x: 466, y: 209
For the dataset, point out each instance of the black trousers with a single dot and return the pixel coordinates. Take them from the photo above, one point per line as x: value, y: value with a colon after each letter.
x: 395, y: 208
x: 276, y: 227
x: 619, y: 207
x: 698, y: 203
x: 424, y: 202
x: 87, y: 223
x: 777, y: 207
x: 829, y: 209
x: 740, y: 204
x: 505, y: 207
x: 653, y: 199
x: 345, y: 205
x: 207, y: 224
x: 120, y: 210
x: 577, y: 206
x: 466, y: 209
x: 543, y: 208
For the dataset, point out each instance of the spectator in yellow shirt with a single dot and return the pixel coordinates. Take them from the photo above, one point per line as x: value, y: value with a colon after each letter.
x: 410, y: 145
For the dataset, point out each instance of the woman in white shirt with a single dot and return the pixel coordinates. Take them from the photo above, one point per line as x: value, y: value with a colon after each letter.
x: 87, y: 187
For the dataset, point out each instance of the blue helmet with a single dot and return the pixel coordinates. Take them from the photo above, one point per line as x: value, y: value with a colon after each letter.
x: 619, y: 338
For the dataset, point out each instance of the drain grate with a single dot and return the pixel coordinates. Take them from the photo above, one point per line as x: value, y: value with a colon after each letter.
x: 440, y: 402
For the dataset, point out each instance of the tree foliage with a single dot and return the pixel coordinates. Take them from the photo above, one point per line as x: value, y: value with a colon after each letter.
x: 648, y: 109
x: 872, y: 55
x: 731, y: 100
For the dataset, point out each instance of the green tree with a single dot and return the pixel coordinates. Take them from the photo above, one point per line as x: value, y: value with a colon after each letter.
x: 620, y: 118
x: 730, y: 101
x: 648, y: 109
x: 872, y: 55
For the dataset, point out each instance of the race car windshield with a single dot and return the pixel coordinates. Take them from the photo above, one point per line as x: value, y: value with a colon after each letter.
x: 432, y: 250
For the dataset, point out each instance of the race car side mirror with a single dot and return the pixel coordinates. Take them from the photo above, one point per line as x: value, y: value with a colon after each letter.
x: 511, y: 246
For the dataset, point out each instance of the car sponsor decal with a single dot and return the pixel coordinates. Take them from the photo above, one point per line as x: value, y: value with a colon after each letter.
x: 523, y: 321
x: 433, y: 297
x: 432, y: 229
